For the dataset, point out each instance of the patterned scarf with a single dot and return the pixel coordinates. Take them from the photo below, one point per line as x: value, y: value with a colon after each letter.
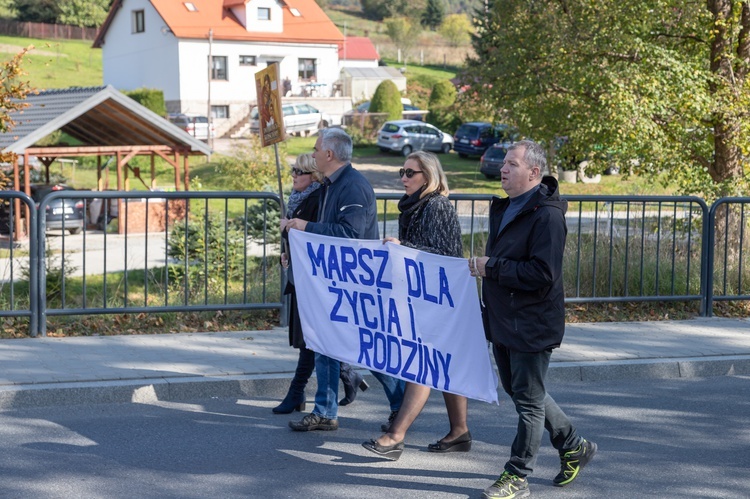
x: 296, y: 197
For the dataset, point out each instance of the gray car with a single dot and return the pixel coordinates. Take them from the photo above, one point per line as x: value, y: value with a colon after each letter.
x: 405, y: 136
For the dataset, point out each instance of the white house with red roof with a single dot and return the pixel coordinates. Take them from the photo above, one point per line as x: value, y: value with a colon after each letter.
x: 165, y: 44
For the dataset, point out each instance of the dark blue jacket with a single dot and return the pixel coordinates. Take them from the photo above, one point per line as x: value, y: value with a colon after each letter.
x: 523, y: 289
x: 348, y: 208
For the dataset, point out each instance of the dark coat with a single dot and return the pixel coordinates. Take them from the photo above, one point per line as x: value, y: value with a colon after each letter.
x: 307, y: 210
x: 523, y: 289
x: 351, y: 211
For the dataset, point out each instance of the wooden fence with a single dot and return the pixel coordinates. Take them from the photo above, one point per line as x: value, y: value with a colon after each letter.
x: 11, y: 27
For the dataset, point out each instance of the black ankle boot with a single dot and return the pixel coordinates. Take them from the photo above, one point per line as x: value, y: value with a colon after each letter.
x: 295, y: 397
x: 292, y: 402
x: 352, y: 381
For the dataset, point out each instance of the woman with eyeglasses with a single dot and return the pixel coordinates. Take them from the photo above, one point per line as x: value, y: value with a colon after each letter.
x: 303, y: 204
x: 428, y: 222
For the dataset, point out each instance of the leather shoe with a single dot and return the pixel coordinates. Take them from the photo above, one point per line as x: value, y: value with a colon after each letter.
x: 458, y: 444
x: 392, y: 452
x: 314, y: 422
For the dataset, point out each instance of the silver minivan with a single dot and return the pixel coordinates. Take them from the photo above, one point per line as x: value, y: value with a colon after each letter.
x: 405, y: 136
x: 298, y: 118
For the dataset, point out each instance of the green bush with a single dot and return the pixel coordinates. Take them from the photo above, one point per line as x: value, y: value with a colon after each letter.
x: 151, y: 98
x: 387, y: 99
x: 443, y: 94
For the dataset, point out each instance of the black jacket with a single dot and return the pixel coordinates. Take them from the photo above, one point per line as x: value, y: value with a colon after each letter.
x: 433, y: 227
x: 523, y: 289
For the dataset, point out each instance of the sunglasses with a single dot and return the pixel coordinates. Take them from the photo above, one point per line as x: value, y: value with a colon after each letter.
x: 408, y: 172
x: 297, y: 171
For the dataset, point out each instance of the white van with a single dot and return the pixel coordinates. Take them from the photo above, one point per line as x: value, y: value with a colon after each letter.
x: 298, y: 118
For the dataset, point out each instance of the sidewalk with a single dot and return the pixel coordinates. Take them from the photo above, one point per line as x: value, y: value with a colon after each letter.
x: 103, y: 369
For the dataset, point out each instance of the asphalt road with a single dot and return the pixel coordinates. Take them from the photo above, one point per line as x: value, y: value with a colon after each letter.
x: 657, y: 438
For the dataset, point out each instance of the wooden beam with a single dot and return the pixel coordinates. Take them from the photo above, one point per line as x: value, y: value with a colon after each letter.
x: 106, y: 150
x: 186, y: 166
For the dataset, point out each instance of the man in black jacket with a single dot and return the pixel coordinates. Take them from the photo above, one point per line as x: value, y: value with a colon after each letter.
x: 524, y: 313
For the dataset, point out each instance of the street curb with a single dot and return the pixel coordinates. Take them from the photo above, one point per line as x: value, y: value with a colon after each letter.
x: 274, y: 386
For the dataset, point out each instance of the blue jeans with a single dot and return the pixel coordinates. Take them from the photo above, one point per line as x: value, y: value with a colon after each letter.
x: 327, y: 396
x: 394, y: 389
x: 522, y: 375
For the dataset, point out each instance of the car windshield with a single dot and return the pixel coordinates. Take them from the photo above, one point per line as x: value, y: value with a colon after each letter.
x: 469, y: 130
x: 200, y: 119
x: 495, y: 153
x: 390, y: 128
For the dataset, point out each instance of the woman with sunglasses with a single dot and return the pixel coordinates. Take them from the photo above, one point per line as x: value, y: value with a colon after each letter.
x: 303, y: 203
x: 428, y: 222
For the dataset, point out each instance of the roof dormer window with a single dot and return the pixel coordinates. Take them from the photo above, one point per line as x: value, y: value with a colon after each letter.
x: 295, y: 12
x: 264, y: 14
x: 190, y: 6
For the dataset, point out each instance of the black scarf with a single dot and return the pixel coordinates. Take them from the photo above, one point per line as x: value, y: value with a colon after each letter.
x: 409, y: 206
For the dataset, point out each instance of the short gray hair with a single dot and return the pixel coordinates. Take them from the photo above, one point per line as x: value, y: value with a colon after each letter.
x: 337, y: 141
x: 533, y: 154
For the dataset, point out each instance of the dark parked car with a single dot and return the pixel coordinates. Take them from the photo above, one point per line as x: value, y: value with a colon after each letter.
x: 67, y: 211
x: 492, y: 160
x: 472, y: 139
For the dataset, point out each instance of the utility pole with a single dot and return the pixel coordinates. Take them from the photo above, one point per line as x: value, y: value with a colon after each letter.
x: 210, y: 70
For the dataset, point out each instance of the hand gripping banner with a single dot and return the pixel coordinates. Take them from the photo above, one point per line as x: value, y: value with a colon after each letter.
x: 385, y: 307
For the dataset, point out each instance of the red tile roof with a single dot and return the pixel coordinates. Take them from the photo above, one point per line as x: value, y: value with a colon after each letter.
x: 359, y: 48
x: 311, y: 26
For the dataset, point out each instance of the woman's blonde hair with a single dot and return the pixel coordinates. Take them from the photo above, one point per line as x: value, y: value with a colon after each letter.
x: 432, y: 172
x: 306, y: 163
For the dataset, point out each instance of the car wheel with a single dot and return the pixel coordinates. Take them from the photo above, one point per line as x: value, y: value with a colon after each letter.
x: 384, y: 149
x: 406, y: 150
x: 490, y: 177
x: 74, y: 230
x: 446, y: 148
x: 463, y: 155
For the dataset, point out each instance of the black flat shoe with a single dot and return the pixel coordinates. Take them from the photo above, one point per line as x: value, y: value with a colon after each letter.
x: 458, y: 444
x: 392, y: 452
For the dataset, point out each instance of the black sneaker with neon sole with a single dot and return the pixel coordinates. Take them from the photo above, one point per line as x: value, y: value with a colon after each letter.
x: 508, y: 486
x: 573, y: 461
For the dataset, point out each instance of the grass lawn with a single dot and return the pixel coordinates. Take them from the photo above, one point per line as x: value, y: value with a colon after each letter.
x: 57, y: 63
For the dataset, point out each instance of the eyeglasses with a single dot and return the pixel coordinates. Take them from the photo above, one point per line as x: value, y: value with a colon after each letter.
x: 297, y: 171
x: 408, y: 172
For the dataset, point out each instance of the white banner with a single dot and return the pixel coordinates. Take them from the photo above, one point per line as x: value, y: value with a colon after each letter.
x: 407, y: 313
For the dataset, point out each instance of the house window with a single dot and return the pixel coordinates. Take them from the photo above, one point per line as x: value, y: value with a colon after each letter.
x: 247, y: 60
x: 139, y: 22
x: 219, y: 68
x: 190, y: 6
x: 221, y: 112
x: 264, y: 13
x: 307, y: 69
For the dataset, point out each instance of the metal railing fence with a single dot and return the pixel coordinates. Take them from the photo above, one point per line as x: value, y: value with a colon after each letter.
x: 149, y: 252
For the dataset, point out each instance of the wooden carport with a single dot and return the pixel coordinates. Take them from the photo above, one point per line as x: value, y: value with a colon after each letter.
x: 104, y: 122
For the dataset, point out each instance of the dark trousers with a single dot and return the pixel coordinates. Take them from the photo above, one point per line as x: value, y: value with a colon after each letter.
x: 522, y: 376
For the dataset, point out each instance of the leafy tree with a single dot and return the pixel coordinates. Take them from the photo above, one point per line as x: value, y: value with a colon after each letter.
x: 387, y: 99
x: 456, y: 29
x: 377, y: 10
x: 13, y: 91
x: 83, y: 13
x: 432, y: 17
x: 660, y: 86
x: 39, y: 11
x: 403, y: 33
x: 443, y: 94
